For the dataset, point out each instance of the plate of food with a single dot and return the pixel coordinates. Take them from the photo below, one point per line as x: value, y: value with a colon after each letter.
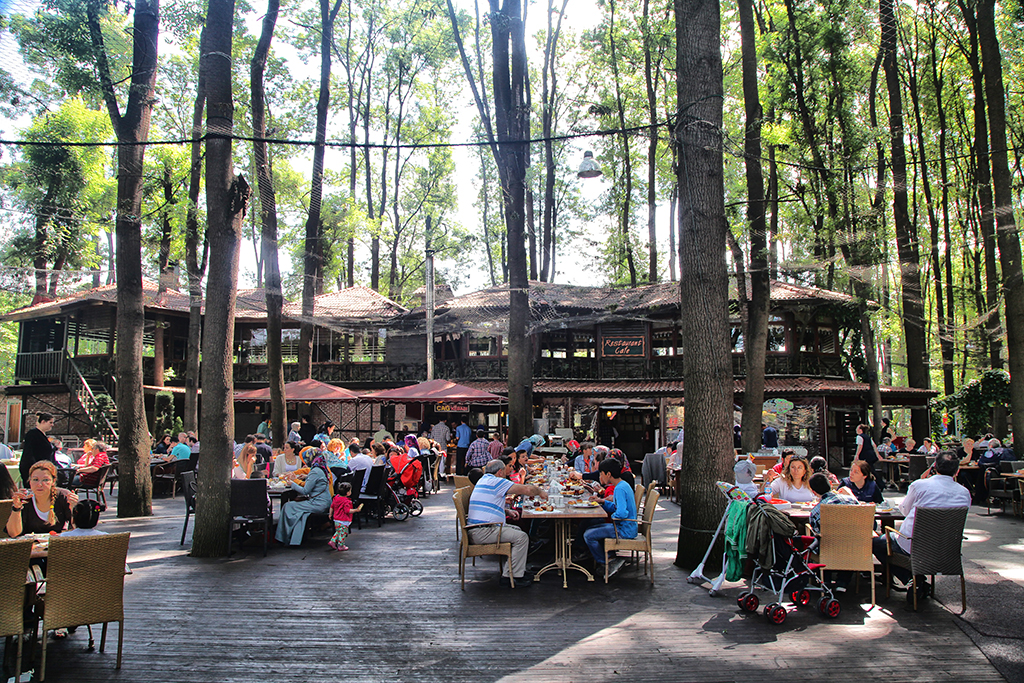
x: 586, y: 504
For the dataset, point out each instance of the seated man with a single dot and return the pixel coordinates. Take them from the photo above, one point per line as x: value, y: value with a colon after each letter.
x: 622, y: 508
x: 487, y: 506
x: 937, y: 491
x: 775, y: 472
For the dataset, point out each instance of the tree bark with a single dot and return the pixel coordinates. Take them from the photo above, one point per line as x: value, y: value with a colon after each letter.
x: 756, y: 346
x: 1006, y: 227
x: 512, y: 128
x: 194, y: 264
x: 906, y: 231
x: 136, y: 495
x: 625, y: 210
x: 226, y: 197
x: 704, y: 291
x: 268, y: 220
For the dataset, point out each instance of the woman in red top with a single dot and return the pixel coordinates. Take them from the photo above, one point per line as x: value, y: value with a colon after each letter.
x: 88, y: 466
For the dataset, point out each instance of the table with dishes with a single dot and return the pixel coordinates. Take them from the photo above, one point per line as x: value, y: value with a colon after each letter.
x: 886, y: 514
x: 571, y: 502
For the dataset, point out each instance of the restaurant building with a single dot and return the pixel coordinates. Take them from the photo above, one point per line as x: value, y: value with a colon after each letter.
x: 607, y: 361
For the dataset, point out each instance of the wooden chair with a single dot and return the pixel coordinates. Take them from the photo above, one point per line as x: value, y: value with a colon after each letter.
x: 14, y: 558
x: 846, y: 540
x: 642, y: 542
x: 85, y: 585
x: 936, y: 548
x: 474, y: 550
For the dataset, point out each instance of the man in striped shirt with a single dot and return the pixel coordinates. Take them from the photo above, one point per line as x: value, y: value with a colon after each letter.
x: 487, y: 506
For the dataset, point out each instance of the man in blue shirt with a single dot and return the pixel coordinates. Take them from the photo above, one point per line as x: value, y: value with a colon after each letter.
x: 622, y: 508
x: 465, y: 435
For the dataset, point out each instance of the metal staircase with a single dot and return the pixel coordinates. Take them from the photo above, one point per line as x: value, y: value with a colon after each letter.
x: 95, y: 400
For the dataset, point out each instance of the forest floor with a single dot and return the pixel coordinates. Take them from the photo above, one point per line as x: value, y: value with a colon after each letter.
x: 391, y: 609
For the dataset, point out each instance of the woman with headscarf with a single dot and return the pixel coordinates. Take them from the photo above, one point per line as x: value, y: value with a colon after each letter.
x: 317, y: 498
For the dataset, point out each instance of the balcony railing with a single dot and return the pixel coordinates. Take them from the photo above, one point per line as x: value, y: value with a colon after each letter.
x: 40, y: 365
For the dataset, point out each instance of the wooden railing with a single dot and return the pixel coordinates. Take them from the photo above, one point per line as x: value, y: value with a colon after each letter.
x: 40, y: 365
x: 93, y: 408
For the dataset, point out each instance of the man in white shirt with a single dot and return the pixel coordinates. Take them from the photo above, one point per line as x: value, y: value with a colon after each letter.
x: 487, y: 506
x: 939, y: 490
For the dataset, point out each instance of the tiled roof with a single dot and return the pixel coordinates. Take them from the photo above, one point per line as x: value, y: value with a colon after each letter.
x: 170, y: 300
x: 352, y: 305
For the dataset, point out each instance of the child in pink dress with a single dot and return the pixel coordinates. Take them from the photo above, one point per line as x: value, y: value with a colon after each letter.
x: 341, y: 513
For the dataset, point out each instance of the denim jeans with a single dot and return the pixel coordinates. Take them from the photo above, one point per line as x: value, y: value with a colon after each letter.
x: 594, y: 537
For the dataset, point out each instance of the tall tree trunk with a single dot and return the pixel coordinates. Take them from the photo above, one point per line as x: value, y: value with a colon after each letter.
x: 226, y: 197
x: 136, y: 494
x: 1006, y: 227
x: 704, y: 285
x: 625, y: 210
x: 756, y: 346
x: 512, y: 128
x: 945, y: 343
x: 268, y: 220
x: 548, y: 100
x: 531, y: 232
x: 651, y: 85
x: 194, y: 264
x: 983, y: 188
x: 906, y: 231
x: 312, y: 261
x: 948, y: 340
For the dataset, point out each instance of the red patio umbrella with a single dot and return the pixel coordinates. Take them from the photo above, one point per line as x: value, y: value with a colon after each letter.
x: 434, y: 391
x: 305, y: 391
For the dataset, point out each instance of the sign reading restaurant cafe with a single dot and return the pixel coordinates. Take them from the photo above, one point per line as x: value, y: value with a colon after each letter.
x: 633, y: 345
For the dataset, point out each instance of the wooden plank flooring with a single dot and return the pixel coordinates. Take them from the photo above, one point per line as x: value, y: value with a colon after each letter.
x: 391, y: 610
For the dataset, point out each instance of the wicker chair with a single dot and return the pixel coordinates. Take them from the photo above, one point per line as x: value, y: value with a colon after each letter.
x: 642, y: 542
x: 462, y: 482
x: 936, y: 549
x: 846, y: 540
x: 1002, y: 489
x: 474, y: 550
x: 14, y: 557
x: 85, y: 585
x: 639, y: 491
x: 5, y: 515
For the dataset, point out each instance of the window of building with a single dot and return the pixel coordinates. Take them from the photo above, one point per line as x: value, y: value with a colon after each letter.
x: 663, y: 342
x: 827, y: 340
x: 736, y: 337
x: 482, y: 346
x: 584, y: 346
x: 776, y: 335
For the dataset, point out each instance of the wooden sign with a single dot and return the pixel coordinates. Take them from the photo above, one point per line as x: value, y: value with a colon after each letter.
x: 632, y: 346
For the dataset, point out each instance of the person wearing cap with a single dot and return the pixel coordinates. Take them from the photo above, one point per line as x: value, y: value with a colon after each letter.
x: 487, y: 506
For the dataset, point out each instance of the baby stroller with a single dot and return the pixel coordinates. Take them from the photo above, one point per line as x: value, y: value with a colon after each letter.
x: 790, y: 574
x: 401, y: 498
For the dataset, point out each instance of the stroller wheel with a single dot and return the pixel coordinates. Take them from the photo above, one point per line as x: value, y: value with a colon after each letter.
x: 748, y: 602
x: 775, y: 612
x: 801, y: 598
x: 415, y: 508
x: 829, y: 607
x: 401, y: 513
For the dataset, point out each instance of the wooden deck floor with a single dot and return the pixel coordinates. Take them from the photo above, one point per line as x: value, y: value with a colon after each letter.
x: 391, y: 610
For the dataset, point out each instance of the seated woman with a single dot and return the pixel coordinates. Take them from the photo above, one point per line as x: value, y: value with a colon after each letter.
x: 246, y: 462
x: 861, y: 483
x: 89, y: 464
x: 791, y: 485
x: 163, y: 446
x: 517, y: 468
x: 317, y: 498
x: 820, y: 466
x: 289, y: 460
x: 45, y: 508
x: 776, y: 471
